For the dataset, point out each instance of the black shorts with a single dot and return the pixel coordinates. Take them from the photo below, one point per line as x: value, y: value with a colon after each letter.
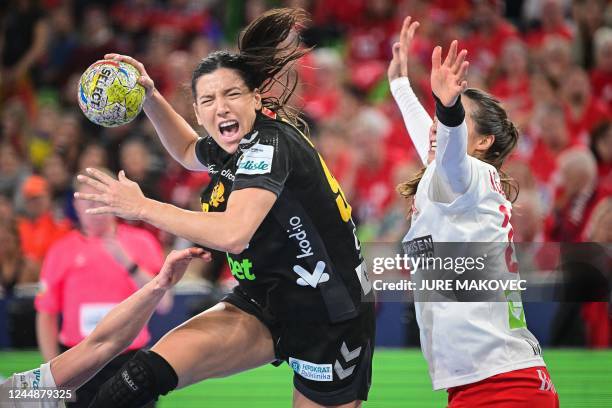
x: 332, y: 362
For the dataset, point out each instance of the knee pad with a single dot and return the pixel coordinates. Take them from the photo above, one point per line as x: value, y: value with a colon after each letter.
x: 141, y: 380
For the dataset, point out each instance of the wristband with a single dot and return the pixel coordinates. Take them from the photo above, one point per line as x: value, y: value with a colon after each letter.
x: 450, y: 116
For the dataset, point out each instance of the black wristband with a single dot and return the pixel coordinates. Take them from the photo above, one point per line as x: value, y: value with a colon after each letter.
x: 132, y: 269
x: 450, y: 116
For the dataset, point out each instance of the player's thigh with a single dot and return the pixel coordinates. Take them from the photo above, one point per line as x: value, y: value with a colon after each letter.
x: 221, y: 341
x: 300, y: 401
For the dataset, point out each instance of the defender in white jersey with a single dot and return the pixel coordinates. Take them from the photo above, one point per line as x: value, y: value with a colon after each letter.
x: 481, y: 352
x: 112, y: 335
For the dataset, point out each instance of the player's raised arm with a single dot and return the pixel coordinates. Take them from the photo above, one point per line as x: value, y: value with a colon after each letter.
x: 447, y: 83
x: 416, y: 119
x: 177, y: 136
x: 121, y: 326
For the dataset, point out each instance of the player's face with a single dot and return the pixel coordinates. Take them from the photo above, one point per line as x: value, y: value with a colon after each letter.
x: 432, y: 140
x: 225, y: 107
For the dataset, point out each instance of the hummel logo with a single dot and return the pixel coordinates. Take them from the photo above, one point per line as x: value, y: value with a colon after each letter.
x: 547, y: 384
x: 311, y: 279
x: 341, y: 372
x: 246, y: 140
x: 348, y: 356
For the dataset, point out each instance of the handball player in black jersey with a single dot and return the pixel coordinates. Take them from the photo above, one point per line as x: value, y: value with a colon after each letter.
x: 303, y: 294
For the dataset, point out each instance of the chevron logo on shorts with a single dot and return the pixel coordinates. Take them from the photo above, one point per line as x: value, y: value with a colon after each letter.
x: 348, y: 356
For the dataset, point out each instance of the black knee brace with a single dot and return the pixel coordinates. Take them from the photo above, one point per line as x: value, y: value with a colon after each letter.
x: 141, y: 380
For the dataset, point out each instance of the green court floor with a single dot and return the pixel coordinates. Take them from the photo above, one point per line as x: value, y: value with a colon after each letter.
x: 583, y: 379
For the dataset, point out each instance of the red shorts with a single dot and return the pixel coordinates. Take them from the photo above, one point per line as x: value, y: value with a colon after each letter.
x: 529, y: 388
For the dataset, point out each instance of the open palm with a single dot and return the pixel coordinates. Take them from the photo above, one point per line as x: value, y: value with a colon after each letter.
x: 399, y: 64
x: 448, y: 78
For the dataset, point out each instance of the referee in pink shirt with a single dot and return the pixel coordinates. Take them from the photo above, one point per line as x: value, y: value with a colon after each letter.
x: 84, y: 275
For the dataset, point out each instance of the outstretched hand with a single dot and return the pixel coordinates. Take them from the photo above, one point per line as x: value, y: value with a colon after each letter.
x: 399, y: 64
x: 448, y: 78
x: 176, y: 264
x: 144, y: 80
x: 121, y: 197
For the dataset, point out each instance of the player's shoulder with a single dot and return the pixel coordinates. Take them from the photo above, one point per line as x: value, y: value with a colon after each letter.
x: 488, y: 178
x: 483, y: 169
x: 274, y: 130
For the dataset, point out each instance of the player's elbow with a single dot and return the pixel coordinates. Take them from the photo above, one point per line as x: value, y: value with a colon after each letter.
x: 237, y: 238
x: 236, y: 244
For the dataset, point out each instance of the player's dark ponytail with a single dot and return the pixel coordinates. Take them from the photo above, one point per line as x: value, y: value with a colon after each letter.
x: 268, y: 47
x: 489, y: 118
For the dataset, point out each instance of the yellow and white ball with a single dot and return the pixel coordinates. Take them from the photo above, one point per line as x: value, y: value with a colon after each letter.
x: 109, y: 93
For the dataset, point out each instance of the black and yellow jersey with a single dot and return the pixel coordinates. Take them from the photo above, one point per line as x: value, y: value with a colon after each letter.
x: 304, y: 261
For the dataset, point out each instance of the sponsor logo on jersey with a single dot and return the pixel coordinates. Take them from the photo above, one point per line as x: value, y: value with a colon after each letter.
x: 256, y: 160
x: 241, y: 269
x: 227, y: 173
x: 312, y: 371
x: 212, y: 169
x: 298, y: 233
x: 36, y: 382
x: 516, y: 313
x: 421, y: 246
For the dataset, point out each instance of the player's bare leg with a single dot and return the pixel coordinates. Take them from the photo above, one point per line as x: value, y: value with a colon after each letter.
x: 219, y: 342
x: 300, y: 401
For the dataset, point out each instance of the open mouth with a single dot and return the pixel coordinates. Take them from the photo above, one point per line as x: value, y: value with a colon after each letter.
x: 432, y: 145
x: 229, y: 128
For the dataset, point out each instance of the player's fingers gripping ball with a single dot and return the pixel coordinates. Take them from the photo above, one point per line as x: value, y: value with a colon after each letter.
x: 109, y: 93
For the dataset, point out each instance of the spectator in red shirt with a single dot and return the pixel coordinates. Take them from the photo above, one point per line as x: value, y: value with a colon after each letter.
x: 601, y: 146
x: 552, y: 22
x: 322, y: 93
x: 577, y: 195
x: 582, y: 110
x: 548, y: 137
x: 601, y: 74
x: 489, y: 35
x: 338, y: 12
x: 598, y: 321
x: 38, y: 229
x: 376, y: 161
x: 555, y: 60
x: 513, y: 86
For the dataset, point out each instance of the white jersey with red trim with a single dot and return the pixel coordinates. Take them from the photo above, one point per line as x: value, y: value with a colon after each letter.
x: 465, y: 342
x: 460, y: 200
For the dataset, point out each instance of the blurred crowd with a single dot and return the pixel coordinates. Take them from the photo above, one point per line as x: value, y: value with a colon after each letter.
x: 548, y: 61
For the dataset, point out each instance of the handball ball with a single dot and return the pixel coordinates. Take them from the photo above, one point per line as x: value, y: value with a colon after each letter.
x: 109, y: 93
